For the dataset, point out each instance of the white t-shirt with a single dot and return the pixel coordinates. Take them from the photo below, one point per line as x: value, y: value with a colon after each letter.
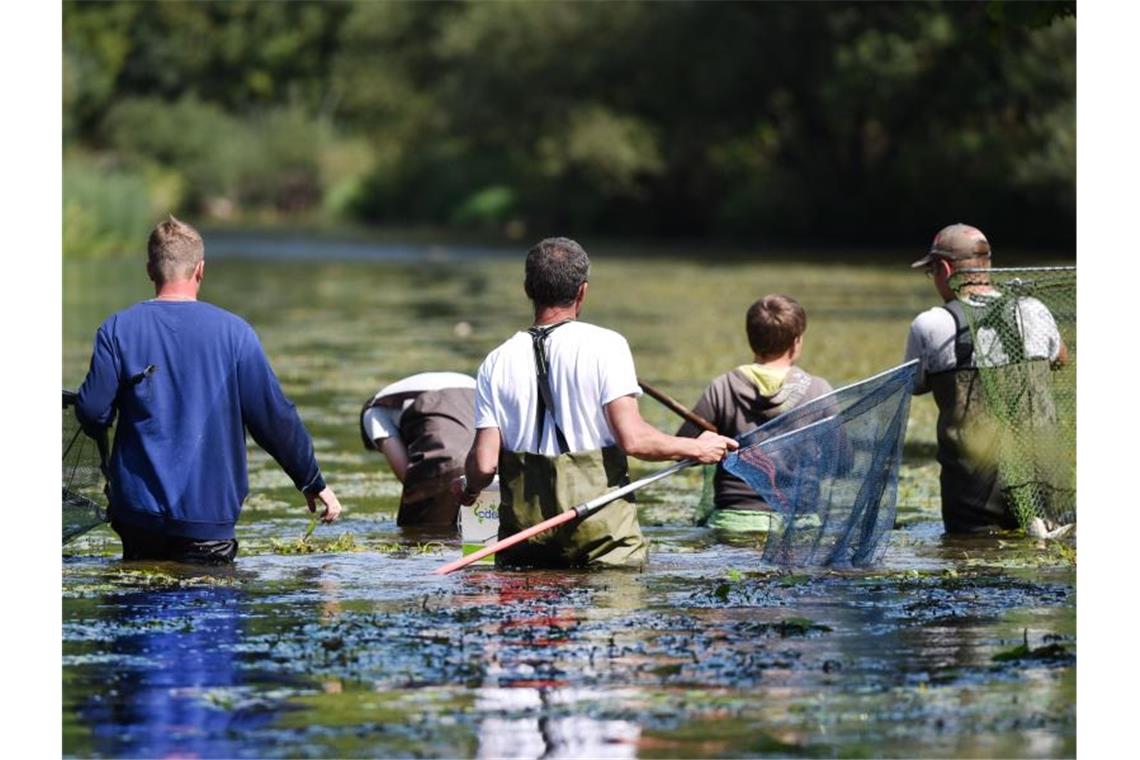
x: 590, y: 366
x: 384, y: 421
x: 931, y: 340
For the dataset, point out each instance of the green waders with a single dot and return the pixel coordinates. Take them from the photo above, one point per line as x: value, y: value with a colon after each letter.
x: 536, y: 487
x: 971, y: 495
x: 968, y: 453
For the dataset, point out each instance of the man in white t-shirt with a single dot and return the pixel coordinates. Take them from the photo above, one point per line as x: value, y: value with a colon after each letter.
x: 555, y: 415
x: 423, y: 425
x: 940, y: 338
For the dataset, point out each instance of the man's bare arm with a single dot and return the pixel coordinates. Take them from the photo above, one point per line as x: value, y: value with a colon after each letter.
x: 396, y: 453
x: 481, y: 466
x: 1062, y: 357
x: 638, y: 438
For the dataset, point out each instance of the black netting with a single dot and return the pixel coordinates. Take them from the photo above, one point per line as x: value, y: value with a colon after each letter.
x: 84, y: 499
x: 1023, y: 323
x: 829, y: 469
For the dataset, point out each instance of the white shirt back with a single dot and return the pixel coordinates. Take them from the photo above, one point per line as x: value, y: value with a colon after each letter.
x: 384, y: 421
x: 589, y: 366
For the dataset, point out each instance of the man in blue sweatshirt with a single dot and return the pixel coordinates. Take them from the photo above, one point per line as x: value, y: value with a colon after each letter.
x: 187, y: 379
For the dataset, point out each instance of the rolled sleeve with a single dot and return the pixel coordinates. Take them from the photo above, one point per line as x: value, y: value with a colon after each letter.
x: 381, y: 422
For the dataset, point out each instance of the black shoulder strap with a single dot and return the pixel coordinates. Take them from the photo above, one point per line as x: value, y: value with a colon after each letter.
x: 963, y: 338
x: 538, y: 336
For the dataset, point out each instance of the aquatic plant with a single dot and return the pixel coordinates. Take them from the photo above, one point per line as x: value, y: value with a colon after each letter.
x: 345, y: 542
x: 1053, y: 652
x: 428, y: 547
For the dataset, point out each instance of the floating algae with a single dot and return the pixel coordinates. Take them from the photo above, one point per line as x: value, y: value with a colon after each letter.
x: 361, y: 652
x: 345, y: 542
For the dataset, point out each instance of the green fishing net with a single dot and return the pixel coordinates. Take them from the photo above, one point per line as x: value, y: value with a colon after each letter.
x: 1023, y: 322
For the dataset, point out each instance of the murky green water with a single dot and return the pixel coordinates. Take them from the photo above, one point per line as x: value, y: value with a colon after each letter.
x: 361, y: 652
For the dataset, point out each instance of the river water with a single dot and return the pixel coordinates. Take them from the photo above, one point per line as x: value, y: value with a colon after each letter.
x: 347, y: 646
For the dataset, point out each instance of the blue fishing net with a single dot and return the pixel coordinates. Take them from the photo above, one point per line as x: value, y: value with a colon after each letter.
x: 830, y: 470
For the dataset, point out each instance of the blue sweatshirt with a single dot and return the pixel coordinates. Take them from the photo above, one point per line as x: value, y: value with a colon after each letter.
x: 178, y: 464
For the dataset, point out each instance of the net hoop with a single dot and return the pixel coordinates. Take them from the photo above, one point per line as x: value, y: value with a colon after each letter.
x: 825, y: 398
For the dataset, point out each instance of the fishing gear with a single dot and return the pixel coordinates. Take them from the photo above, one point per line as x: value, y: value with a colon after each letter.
x: 582, y: 510
x: 828, y: 468
x: 85, y: 504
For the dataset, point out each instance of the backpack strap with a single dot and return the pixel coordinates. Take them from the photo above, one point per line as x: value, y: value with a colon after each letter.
x: 963, y: 338
x: 545, y: 403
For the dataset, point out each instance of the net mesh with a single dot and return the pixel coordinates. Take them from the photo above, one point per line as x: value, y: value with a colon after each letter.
x: 829, y: 468
x: 1023, y: 323
x: 84, y: 499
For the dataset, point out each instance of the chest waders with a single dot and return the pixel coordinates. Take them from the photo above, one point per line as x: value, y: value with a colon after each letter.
x: 438, y: 429
x: 972, y: 498
x: 536, y: 487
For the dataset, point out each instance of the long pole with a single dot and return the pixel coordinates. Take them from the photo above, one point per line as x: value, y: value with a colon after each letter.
x: 579, y: 511
x: 674, y: 406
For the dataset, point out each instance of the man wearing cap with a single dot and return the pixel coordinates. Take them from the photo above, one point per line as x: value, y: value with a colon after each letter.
x: 555, y: 416
x: 940, y: 338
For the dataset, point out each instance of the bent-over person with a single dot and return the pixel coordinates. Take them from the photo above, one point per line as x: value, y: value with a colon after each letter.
x: 555, y: 416
x: 424, y: 426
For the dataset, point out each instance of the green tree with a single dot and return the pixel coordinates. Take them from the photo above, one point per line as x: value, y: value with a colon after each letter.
x: 835, y: 122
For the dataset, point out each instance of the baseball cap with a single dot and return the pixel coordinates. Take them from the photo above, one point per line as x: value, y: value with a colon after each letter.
x: 958, y: 241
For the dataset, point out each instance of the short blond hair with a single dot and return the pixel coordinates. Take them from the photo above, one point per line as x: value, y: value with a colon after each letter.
x: 173, y: 250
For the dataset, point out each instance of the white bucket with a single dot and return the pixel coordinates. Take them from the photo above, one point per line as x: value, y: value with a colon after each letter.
x: 479, y: 523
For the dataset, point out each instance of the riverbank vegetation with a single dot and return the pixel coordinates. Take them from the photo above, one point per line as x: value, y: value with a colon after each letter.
x: 867, y: 123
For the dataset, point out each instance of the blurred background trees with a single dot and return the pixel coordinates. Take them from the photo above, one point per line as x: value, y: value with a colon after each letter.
x: 790, y: 123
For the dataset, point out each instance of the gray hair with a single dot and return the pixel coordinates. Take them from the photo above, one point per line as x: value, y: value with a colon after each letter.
x: 555, y: 269
x: 173, y: 250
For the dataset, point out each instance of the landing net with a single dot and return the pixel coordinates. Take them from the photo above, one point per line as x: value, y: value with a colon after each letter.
x: 829, y: 468
x: 1023, y: 322
x: 84, y: 500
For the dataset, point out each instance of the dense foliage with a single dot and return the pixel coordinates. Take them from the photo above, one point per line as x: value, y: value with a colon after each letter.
x: 796, y: 122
